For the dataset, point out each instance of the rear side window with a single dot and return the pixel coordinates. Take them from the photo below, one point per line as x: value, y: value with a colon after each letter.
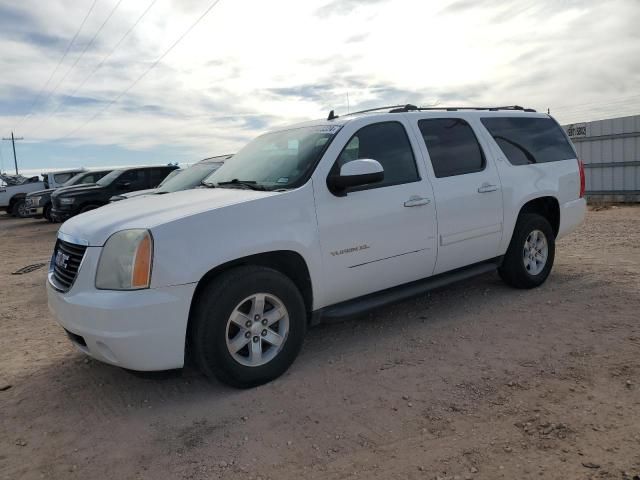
x: 387, y: 143
x: 527, y: 140
x: 452, y: 145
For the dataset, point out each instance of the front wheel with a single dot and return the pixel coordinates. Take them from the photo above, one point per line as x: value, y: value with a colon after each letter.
x: 531, y: 252
x: 20, y: 209
x: 248, y: 326
x: 46, y: 213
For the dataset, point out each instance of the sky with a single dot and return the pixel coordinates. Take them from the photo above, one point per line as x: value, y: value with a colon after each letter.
x: 123, y: 82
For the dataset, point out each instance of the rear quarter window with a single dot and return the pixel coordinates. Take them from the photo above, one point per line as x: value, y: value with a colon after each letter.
x: 527, y: 140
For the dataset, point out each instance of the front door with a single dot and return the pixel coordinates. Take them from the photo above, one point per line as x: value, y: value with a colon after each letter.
x: 382, y: 235
x: 467, y: 192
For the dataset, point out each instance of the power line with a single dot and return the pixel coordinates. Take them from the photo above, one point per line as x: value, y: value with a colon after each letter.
x: 595, y: 109
x: 102, y: 62
x: 84, y: 50
x: 135, y: 82
x: 579, y: 106
x: 55, y: 70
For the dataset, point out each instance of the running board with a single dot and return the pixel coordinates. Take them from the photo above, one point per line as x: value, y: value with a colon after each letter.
x: 365, y: 303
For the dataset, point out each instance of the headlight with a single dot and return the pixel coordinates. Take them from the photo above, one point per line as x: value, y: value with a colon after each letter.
x: 67, y: 201
x: 125, y: 261
x: 33, y: 201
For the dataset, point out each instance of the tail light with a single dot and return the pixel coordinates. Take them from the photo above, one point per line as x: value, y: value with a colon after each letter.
x: 582, y: 178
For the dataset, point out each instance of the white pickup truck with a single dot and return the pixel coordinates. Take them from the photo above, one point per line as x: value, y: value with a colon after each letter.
x: 14, y: 188
x: 317, y: 220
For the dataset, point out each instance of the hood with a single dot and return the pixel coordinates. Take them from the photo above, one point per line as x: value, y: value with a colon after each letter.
x: 138, y: 193
x: 39, y: 193
x: 96, y: 226
x: 77, y: 190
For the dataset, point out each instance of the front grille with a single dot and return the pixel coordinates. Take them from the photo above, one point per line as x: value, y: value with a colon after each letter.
x: 66, y: 262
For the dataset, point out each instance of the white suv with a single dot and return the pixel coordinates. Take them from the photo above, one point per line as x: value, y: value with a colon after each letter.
x: 322, y: 219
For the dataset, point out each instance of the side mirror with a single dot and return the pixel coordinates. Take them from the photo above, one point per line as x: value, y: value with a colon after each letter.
x: 354, y: 174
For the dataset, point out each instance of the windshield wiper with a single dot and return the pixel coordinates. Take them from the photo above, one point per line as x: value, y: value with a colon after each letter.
x: 208, y: 184
x: 252, y: 184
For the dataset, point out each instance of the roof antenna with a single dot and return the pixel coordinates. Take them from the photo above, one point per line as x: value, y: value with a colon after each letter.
x: 332, y: 115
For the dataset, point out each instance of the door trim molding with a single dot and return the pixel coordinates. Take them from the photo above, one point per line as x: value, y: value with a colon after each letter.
x: 469, y: 234
x: 387, y: 258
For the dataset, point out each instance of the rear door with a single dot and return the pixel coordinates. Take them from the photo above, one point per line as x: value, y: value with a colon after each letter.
x: 467, y: 192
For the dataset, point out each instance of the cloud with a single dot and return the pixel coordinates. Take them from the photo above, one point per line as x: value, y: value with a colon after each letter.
x: 343, y: 7
x: 236, y: 75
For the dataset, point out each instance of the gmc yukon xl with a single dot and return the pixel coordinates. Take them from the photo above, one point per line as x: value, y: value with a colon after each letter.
x: 317, y: 220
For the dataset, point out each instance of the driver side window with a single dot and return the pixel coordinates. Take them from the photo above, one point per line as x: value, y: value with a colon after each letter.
x: 386, y: 142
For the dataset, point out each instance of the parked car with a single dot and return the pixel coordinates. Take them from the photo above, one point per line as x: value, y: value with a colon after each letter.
x: 16, y: 187
x: 82, y: 198
x: 148, y: 191
x: 38, y: 203
x: 314, y: 221
x: 183, y: 179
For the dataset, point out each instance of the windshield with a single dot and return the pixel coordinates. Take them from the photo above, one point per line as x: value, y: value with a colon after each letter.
x: 189, y: 178
x: 75, y: 179
x: 172, y: 174
x: 109, y: 178
x: 276, y: 160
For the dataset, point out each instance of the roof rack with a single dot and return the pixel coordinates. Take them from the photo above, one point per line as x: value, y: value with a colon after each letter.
x: 414, y: 108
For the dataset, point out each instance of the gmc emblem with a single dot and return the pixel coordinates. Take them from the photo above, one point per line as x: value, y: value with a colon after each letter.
x: 61, y: 259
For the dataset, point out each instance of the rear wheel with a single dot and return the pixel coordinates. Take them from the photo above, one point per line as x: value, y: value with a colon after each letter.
x: 248, y: 326
x: 531, y: 252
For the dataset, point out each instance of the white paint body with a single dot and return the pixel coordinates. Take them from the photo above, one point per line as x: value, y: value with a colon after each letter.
x: 451, y: 225
x: 9, y: 191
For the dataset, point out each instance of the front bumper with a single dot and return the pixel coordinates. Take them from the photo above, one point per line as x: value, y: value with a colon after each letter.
x: 61, y: 213
x: 35, y: 211
x: 141, y: 330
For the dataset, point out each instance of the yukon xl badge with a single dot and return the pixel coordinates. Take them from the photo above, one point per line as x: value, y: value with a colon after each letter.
x: 61, y: 259
x: 349, y: 250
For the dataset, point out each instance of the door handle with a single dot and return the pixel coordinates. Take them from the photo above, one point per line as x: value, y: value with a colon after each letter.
x: 416, y: 201
x: 487, y: 187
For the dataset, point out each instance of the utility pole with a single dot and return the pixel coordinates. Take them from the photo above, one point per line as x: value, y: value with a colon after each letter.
x: 13, y: 143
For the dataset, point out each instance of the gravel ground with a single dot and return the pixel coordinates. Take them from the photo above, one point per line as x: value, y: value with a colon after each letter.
x: 475, y: 381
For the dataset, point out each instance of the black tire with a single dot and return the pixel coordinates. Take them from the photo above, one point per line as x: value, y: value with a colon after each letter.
x: 513, y: 270
x: 19, y: 209
x: 46, y: 213
x: 87, y: 208
x: 215, y: 304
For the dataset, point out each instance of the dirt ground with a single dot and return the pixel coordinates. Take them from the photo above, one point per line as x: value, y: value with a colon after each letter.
x: 475, y: 381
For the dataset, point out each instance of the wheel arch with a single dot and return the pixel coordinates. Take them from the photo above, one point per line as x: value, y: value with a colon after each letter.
x: 547, y: 206
x: 82, y: 205
x: 16, y: 197
x: 287, y: 262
